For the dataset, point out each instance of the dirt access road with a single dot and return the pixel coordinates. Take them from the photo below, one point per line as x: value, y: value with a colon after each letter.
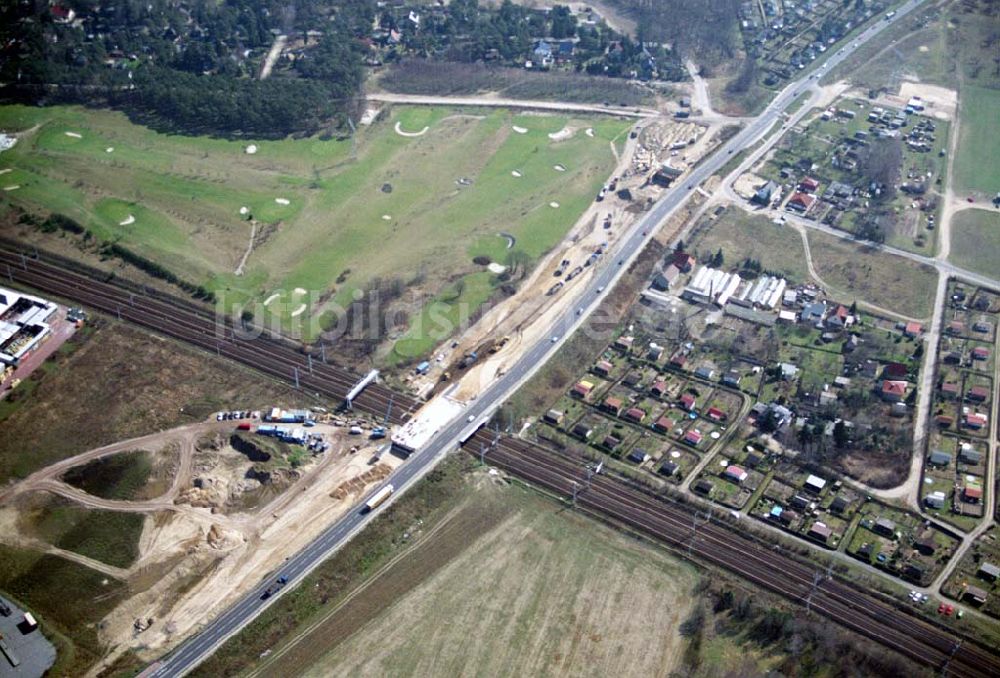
x: 206, y: 556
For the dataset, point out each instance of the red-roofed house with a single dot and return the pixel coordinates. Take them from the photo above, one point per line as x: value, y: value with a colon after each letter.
x: 838, y: 318
x: 944, y: 420
x: 800, y: 202
x: 603, y: 367
x: 735, y: 473
x: 949, y: 390
x: 973, y: 492
x: 809, y: 185
x: 664, y: 424
x: 978, y: 394
x: 913, y: 329
x: 678, y: 360
x: 684, y: 261
x: 956, y: 327
x: 612, y: 405
x: 975, y: 420
x: 893, y: 390
x: 635, y: 414
x: 583, y: 389
x: 716, y: 414
x: 687, y: 401
x: 980, y: 353
x: 693, y: 437
x: 658, y: 388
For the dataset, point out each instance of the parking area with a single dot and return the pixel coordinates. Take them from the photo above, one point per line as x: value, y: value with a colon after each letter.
x: 24, y: 650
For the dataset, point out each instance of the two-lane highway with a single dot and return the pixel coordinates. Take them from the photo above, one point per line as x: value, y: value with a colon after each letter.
x: 198, y: 647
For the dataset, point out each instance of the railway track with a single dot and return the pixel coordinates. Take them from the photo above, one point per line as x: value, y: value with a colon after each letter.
x: 194, y: 324
x: 677, y: 526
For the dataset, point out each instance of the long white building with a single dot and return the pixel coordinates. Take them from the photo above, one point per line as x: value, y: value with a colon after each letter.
x: 23, y: 324
x: 710, y: 285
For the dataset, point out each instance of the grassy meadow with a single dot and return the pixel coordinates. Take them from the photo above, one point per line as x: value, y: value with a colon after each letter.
x: 414, y: 196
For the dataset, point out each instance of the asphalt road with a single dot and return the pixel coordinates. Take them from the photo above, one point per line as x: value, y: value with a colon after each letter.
x: 200, y: 646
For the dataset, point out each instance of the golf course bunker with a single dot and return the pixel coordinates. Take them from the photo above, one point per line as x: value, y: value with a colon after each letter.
x: 299, y: 291
x: 12, y: 188
x: 297, y: 312
x: 251, y: 149
x: 282, y: 201
x: 509, y: 238
x: 496, y: 268
x: 589, y: 132
x: 127, y: 221
x: 515, y: 173
x: 553, y: 205
x: 271, y: 298
x: 559, y: 168
x: 74, y: 135
x: 5, y: 170
x: 109, y: 149
x: 244, y: 210
x: 400, y: 132
x: 519, y: 130
x: 386, y: 217
x: 561, y: 135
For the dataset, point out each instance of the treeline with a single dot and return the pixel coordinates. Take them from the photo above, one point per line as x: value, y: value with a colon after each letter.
x: 187, y: 67
x: 172, y: 100
x: 705, y: 29
x: 156, y: 270
x: 803, y: 645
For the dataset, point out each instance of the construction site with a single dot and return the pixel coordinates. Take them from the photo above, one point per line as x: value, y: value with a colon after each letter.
x: 221, y: 502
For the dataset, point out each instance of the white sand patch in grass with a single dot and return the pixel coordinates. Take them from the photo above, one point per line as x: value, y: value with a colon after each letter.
x: 127, y: 221
x: 561, y: 135
x: 251, y: 149
x: 559, y: 168
x: 519, y: 130
x: 386, y: 217
x: 299, y: 291
x: 271, y: 298
x: 400, y: 132
x: 369, y: 116
x: 297, y: 312
x: 12, y: 188
x: 5, y: 170
x: 924, y: 48
x: 109, y: 149
x: 244, y: 210
x: 494, y: 267
x: 589, y: 132
x: 553, y: 205
x: 74, y: 135
x: 282, y: 201
x: 515, y: 173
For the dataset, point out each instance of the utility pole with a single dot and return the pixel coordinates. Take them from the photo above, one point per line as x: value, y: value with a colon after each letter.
x: 24, y: 262
x: 951, y: 655
x: 119, y: 312
x: 575, y: 489
x: 694, y: 528
x: 131, y: 299
x: 482, y: 453
x: 296, y: 372
x: 309, y: 356
x: 322, y: 348
x: 10, y: 274
x: 817, y: 578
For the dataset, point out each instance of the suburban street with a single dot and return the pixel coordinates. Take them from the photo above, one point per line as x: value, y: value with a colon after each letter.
x: 216, y: 631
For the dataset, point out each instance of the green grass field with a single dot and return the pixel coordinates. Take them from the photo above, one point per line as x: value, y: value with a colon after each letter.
x: 976, y: 166
x: 331, y: 214
x: 68, y: 599
x: 111, y: 537
x: 740, y: 235
x: 975, y: 240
